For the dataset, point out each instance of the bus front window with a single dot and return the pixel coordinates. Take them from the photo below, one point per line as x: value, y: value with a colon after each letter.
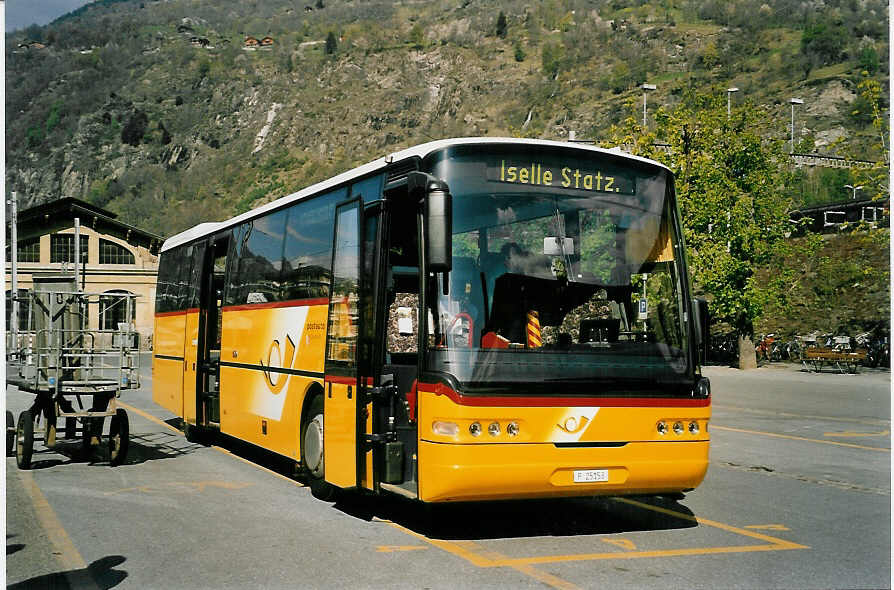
x: 561, y: 291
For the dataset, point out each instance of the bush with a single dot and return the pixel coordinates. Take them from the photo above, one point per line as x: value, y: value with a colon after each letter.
x: 135, y: 128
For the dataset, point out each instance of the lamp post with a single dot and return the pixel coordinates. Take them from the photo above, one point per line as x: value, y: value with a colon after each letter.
x: 854, y: 189
x: 645, y: 88
x: 729, y: 92
x: 793, y: 102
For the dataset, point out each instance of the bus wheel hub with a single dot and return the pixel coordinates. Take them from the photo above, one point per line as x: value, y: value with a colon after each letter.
x: 313, y: 446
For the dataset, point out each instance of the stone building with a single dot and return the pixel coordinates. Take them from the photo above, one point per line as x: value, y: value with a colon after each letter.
x: 120, y: 258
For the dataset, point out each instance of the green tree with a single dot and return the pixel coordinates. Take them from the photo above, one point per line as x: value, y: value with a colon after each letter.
x: 520, y: 54
x: 731, y: 184
x: 502, y: 25
x: 551, y: 58
x: 331, y: 43
x: 417, y: 36
x: 874, y: 178
x: 823, y: 42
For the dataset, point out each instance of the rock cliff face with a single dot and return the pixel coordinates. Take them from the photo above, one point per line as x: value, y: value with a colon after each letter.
x: 128, y: 108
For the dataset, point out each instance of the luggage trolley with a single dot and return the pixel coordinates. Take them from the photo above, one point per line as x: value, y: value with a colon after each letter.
x: 62, y: 361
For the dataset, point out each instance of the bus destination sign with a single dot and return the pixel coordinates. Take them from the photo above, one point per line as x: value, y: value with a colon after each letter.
x: 559, y: 176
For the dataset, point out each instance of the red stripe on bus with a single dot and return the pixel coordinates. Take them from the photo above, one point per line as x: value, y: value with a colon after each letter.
x: 544, y: 401
x: 279, y: 304
x: 168, y: 314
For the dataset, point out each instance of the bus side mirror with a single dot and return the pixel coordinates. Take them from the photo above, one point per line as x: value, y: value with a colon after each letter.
x: 437, y: 213
x: 702, y: 324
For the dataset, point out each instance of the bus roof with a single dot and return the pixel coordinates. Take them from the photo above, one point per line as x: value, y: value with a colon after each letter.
x: 419, y: 151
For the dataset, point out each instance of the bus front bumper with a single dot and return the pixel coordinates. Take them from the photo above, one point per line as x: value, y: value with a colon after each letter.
x: 464, y: 472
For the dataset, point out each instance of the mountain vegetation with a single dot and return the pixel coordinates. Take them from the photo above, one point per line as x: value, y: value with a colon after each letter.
x: 175, y: 112
x: 157, y: 111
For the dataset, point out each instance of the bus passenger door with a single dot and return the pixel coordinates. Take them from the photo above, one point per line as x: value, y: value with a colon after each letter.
x: 191, y: 338
x: 208, y: 353
x: 341, y: 424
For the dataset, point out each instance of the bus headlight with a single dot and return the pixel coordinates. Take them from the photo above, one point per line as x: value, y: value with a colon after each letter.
x: 475, y: 429
x: 445, y: 428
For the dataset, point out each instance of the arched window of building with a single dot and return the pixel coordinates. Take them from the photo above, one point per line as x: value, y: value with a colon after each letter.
x: 112, y: 253
x: 113, y: 309
x: 62, y: 248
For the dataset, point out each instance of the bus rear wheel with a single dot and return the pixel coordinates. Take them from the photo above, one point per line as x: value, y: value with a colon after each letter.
x: 312, y: 451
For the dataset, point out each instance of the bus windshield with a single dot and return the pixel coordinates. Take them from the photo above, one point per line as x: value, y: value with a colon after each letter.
x: 565, y: 277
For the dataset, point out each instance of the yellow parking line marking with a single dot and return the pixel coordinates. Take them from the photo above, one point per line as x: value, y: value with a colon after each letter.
x: 857, y: 434
x: 478, y: 556
x: 152, y: 418
x: 712, y: 523
x: 148, y: 416
x: 396, y: 548
x: 73, y: 566
x: 622, y: 543
x: 68, y: 555
x: 773, y: 543
x: 801, y: 438
x: 870, y: 422
x: 767, y: 527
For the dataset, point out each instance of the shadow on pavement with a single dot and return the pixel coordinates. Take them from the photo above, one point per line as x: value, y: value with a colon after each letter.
x: 142, y: 447
x: 99, y: 574
x: 522, y: 518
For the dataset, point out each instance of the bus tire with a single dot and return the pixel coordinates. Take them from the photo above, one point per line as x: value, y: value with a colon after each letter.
x: 10, y: 434
x: 198, y: 434
x: 312, y: 451
x: 24, y: 440
x: 119, y: 438
x: 71, y: 428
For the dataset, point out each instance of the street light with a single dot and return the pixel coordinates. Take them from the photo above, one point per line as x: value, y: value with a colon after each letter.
x: 646, y: 87
x: 854, y: 189
x: 793, y: 102
x: 729, y: 92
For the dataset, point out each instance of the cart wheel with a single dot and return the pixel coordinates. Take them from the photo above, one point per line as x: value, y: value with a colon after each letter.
x: 24, y: 440
x: 119, y: 437
x: 49, y: 438
x: 10, y: 434
x: 71, y: 427
x: 86, y: 433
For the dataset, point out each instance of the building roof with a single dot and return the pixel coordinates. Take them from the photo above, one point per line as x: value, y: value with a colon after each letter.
x: 60, y: 214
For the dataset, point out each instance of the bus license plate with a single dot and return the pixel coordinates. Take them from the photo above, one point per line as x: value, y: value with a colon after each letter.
x: 590, y: 475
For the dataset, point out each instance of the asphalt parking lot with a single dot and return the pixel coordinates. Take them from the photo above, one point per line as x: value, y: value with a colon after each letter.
x: 797, y: 495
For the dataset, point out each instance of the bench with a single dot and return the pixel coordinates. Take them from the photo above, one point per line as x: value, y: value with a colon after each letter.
x: 843, y: 360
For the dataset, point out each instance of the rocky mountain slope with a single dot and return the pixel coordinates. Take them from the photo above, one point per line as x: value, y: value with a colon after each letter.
x: 166, y: 113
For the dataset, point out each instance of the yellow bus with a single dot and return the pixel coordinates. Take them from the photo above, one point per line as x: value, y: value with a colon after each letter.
x: 468, y: 319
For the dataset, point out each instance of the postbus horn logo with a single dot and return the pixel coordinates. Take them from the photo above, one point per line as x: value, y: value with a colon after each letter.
x: 275, y: 380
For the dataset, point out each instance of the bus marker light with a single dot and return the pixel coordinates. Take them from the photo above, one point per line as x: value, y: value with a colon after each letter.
x: 445, y: 428
x: 693, y: 427
x: 512, y: 429
x: 494, y: 429
x: 662, y: 428
x: 475, y: 429
x: 678, y: 428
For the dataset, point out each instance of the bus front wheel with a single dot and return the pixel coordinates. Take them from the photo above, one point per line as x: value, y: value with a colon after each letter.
x: 312, y: 451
